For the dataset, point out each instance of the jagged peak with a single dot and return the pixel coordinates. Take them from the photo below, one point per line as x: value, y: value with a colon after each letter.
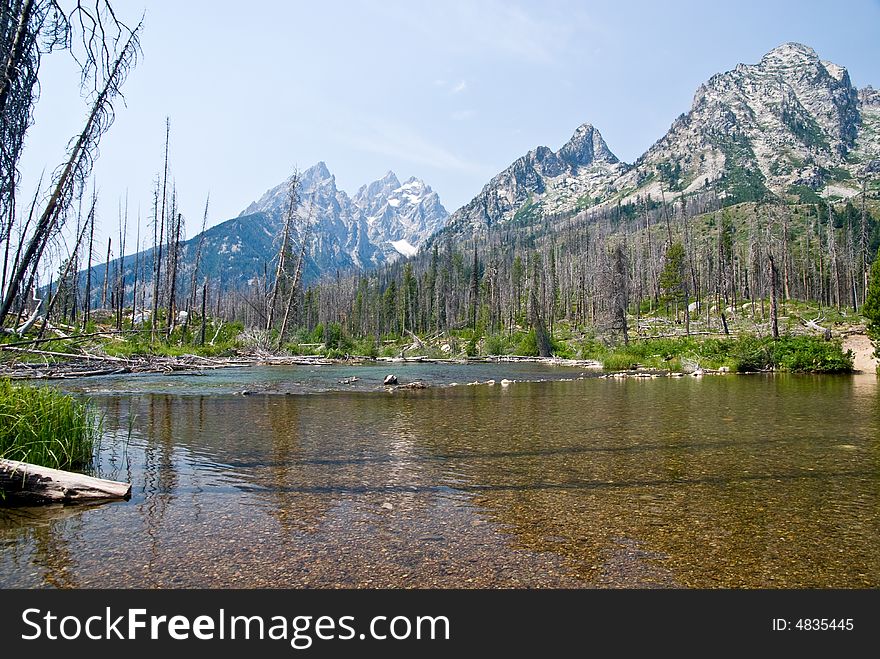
x: 869, y: 96
x: 836, y: 71
x: 586, y: 146
x: 318, y: 169
x: 381, y: 187
x: 789, y: 53
x: 390, y: 177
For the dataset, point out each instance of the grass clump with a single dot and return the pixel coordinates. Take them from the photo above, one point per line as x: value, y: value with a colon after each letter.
x: 45, y: 427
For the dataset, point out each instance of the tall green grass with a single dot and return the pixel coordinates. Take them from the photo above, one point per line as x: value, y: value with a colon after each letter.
x: 45, y: 427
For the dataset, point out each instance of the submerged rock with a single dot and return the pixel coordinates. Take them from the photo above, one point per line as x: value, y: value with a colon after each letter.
x: 418, y: 384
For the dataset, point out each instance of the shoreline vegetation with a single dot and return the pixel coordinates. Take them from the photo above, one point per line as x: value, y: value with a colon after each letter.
x: 52, y: 429
x: 102, y: 351
x: 45, y: 427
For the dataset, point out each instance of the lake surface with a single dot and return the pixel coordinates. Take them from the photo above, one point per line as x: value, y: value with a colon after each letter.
x: 723, y: 481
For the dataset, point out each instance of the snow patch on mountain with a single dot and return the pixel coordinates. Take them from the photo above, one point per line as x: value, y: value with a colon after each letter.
x: 403, y: 247
x: 380, y: 222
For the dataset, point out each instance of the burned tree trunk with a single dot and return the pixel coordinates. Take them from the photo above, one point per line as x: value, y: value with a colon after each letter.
x: 774, y: 313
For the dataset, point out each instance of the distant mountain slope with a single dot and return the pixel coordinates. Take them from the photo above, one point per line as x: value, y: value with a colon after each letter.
x: 544, y: 181
x: 789, y: 123
x: 790, y: 120
x: 384, y: 220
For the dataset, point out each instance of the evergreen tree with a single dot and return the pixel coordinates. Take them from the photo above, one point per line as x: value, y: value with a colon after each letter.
x: 871, y: 308
x: 672, y: 278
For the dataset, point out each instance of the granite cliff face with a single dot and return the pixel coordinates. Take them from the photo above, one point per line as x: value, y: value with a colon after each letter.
x: 791, y: 120
x: 553, y: 181
x: 790, y: 123
x: 382, y: 221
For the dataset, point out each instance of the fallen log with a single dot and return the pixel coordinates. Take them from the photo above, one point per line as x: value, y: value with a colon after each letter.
x: 21, y: 482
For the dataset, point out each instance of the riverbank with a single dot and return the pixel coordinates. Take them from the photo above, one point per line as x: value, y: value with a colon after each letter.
x: 864, y: 360
x: 46, y: 427
x: 801, y: 353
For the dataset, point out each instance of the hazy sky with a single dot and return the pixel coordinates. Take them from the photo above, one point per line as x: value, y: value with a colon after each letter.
x: 449, y: 91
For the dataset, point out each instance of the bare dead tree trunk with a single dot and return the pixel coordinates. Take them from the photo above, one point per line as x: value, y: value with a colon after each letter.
x: 88, y: 297
x: 774, y: 313
x: 137, y: 262
x: 295, y: 284
x: 191, y: 298
x: 292, y: 200
x: 106, y: 274
x: 157, y: 255
x: 172, y: 274
x: 204, y: 313
x: 120, y: 272
x: 11, y: 65
x: 74, y: 169
x: 70, y: 265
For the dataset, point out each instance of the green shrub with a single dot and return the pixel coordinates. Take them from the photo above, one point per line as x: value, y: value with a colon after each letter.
x: 796, y: 354
x: 366, y: 348
x: 619, y: 361
x: 495, y: 345
x: 527, y: 346
x: 809, y: 354
x: 335, y: 338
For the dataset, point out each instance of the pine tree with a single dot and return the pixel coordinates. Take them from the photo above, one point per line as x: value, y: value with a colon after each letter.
x: 871, y: 308
x: 672, y: 278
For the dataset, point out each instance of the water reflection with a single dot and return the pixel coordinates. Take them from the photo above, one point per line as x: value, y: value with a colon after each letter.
x: 736, y: 482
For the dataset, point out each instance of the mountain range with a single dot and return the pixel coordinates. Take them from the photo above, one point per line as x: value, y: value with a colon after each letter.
x: 382, y: 221
x: 791, y: 125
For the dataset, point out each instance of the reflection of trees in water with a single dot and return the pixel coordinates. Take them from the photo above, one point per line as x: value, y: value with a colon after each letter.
x: 119, y: 419
x: 159, y: 475
x: 695, y: 478
x: 727, y: 500
x: 313, y: 466
x: 43, y: 537
x: 293, y: 513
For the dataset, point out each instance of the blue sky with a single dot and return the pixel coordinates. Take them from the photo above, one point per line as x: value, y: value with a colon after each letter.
x: 451, y: 92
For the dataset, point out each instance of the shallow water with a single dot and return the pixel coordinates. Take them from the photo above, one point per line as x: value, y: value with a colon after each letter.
x: 725, y: 481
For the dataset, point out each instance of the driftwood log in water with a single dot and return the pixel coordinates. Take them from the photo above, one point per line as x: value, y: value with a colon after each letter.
x: 21, y: 482
x: 76, y: 365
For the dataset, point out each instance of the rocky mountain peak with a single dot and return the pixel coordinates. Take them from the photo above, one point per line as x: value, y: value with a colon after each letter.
x: 317, y: 176
x: 383, y: 220
x: 787, y: 122
x: 868, y: 96
x: 585, y: 147
x: 390, y: 176
x: 788, y: 55
x: 377, y: 191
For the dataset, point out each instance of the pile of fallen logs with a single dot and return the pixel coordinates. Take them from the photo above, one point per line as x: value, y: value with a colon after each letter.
x: 61, y: 365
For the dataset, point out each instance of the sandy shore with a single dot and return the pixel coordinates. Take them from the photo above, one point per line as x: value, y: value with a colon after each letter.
x: 861, y: 346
